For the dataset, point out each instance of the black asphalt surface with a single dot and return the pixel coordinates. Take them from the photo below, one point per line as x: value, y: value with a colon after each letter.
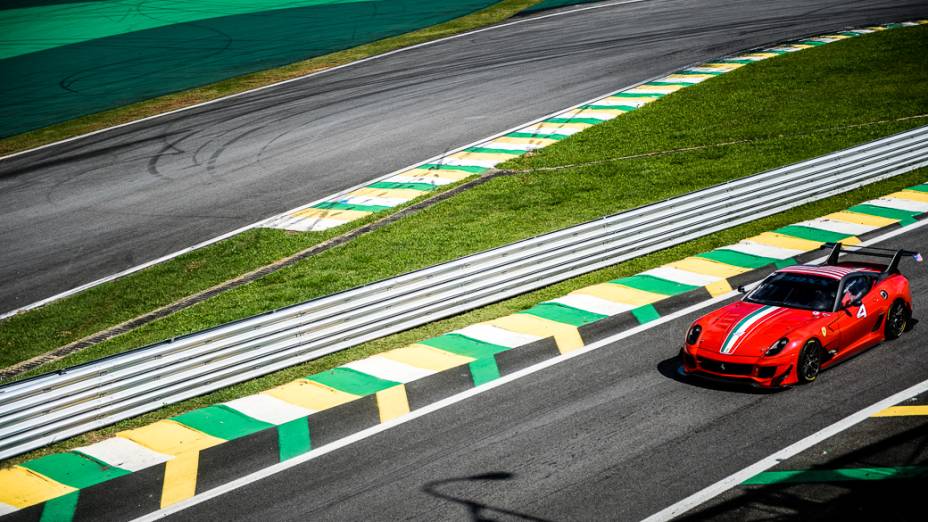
x: 75, y: 212
x: 614, y: 434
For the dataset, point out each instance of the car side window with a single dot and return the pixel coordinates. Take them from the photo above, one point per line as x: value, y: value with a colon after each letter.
x: 858, y: 286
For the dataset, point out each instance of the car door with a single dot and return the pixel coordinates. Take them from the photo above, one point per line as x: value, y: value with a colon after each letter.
x: 858, y: 322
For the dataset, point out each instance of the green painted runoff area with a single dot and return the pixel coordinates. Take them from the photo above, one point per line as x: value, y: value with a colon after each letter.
x: 62, y: 60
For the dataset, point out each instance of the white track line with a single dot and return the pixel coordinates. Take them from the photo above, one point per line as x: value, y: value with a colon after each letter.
x: 454, y: 399
x: 168, y: 257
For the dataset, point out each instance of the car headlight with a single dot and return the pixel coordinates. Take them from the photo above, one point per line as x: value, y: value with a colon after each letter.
x: 693, y: 335
x: 777, y: 347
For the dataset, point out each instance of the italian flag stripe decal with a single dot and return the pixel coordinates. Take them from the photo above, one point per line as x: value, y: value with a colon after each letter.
x: 738, y: 331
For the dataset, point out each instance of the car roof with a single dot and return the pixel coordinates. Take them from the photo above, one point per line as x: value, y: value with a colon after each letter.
x: 829, y: 271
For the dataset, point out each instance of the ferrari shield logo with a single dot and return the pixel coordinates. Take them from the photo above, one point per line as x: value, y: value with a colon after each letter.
x: 824, y: 332
x: 862, y: 312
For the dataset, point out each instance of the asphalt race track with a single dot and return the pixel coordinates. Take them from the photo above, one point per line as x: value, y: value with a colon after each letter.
x: 613, y: 434
x: 79, y: 211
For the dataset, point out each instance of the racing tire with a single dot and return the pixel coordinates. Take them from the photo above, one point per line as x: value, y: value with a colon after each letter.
x: 897, y: 320
x: 809, y: 362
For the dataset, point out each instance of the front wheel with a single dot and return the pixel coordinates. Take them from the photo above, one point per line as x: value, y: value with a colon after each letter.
x: 809, y: 362
x: 896, y: 320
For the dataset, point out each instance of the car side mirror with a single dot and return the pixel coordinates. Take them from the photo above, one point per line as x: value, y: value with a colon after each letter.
x: 848, y: 301
x: 741, y: 289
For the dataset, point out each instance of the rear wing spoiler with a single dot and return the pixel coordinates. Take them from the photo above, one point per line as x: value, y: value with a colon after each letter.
x: 893, y: 255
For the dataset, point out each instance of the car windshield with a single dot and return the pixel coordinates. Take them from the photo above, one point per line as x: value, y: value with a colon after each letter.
x: 808, y: 292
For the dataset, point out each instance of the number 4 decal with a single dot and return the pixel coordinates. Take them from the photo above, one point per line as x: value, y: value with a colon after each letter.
x: 862, y: 312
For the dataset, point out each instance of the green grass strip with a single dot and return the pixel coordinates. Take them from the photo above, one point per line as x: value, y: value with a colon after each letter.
x: 734, y: 258
x: 293, y: 439
x: 486, y: 150
x: 424, y: 187
x: 905, y: 217
x: 836, y: 475
x: 591, y: 121
x: 463, y: 345
x: 646, y: 314
x: 462, y: 168
x: 812, y: 234
x: 563, y: 314
x: 484, y: 370
x: 60, y: 509
x: 221, y: 421
x: 335, y: 205
x: 351, y: 381
x: 649, y: 283
x: 75, y: 470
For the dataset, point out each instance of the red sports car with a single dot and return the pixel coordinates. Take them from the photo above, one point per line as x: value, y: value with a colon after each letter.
x: 802, y: 319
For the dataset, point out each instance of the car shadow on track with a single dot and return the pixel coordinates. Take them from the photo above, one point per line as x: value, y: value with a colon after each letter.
x: 672, y: 368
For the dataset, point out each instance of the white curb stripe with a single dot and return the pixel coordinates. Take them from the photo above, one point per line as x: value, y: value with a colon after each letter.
x: 371, y: 200
x: 757, y: 249
x: 6, y: 509
x: 593, y: 304
x: 388, y: 369
x: 682, y: 276
x: 496, y: 335
x: 268, y: 409
x: 123, y: 453
x: 841, y: 227
x: 899, y: 204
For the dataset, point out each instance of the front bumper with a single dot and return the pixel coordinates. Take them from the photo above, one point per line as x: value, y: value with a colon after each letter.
x: 762, y: 372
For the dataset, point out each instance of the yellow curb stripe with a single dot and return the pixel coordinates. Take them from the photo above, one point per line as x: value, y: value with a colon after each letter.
x: 180, y: 478
x: 902, y: 411
x: 757, y: 55
x: 707, y: 267
x: 537, y: 142
x: 21, y: 487
x: 861, y: 219
x: 387, y: 193
x: 392, y: 403
x: 579, y: 113
x: 782, y: 241
x: 620, y: 294
x: 311, y: 395
x: 427, y: 357
x: 720, y: 287
x: 724, y: 66
x: 566, y: 336
x: 911, y: 195
x: 644, y: 90
x: 170, y: 437
x: 322, y: 213
x: 450, y: 175
x: 482, y: 156
x: 685, y: 77
x: 630, y: 101
x: 551, y: 128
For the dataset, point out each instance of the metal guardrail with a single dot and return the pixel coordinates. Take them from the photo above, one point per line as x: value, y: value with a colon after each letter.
x: 52, y: 407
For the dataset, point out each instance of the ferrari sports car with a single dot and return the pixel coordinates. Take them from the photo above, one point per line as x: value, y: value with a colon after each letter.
x: 802, y: 319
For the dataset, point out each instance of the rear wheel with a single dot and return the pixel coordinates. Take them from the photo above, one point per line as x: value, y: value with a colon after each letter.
x: 896, y: 320
x: 809, y: 362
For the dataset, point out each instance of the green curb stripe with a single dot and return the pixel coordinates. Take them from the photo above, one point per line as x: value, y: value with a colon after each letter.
x: 533, y: 135
x: 633, y: 95
x: 812, y: 234
x: 293, y: 438
x: 776, y: 51
x: 352, y: 381
x: 60, y: 509
x: 221, y: 421
x: 653, y: 284
x: 463, y: 345
x: 904, y: 216
x: 487, y: 150
x: 484, y: 370
x: 918, y: 188
x: 811, y: 42
x: 591, y: 121
x: 563, y: 314
x: 439, y: 166
x: 735, y: 258
x: 625, y: 108
x: 836, y: 475
x: 733, y: 60
x: 74, y: 469
x: 850, y: 33
x: 424, y: 187
x: 646, y: 314
x: 335, y: 205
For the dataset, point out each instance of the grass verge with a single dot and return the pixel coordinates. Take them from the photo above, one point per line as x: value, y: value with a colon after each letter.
x: 500, y: 309
x: 101, y: 120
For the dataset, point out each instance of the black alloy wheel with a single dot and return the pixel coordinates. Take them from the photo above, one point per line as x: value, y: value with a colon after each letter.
x: 809, y: 363
x: 896, y: 320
